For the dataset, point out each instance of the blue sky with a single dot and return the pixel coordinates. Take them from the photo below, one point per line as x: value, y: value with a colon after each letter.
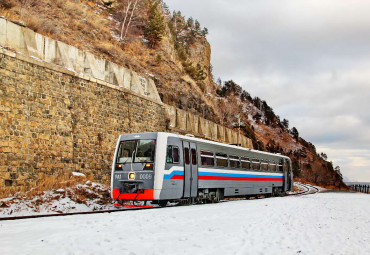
x: 310, y: 60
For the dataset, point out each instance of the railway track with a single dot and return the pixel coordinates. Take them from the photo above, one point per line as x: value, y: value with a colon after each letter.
x: 73, y: 213
x: 308, y: 189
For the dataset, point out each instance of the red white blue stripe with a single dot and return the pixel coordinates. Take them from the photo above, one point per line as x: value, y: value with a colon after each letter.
x: 179, y: 175
x: 175, y: 175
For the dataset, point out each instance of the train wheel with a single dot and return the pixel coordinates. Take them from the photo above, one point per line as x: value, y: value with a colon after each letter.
x: 216, y: 199
x: 162, y: 203
x: 217, y: 196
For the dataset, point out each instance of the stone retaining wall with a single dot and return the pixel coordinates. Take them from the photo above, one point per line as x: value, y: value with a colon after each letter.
x: 30, y: 43
x: 51, y: 120
x: 62, y: 110
x: 187, y: 123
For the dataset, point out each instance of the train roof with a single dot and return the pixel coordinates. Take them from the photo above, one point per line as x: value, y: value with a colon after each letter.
x: 191, y: 138
x: 195, y: 139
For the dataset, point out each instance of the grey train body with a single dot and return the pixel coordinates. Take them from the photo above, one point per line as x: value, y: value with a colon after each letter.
x: 178, y: 167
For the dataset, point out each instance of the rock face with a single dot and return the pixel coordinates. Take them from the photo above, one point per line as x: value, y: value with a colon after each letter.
x: 200, y: 53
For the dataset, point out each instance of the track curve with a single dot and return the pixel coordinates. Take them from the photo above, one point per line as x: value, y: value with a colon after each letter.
x: 308, y: 189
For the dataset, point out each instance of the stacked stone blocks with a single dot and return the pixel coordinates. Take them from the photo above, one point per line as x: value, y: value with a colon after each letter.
x: 62, y: 110
x: 54, y: 122
x: 187, y: 123
x: 29, y: 43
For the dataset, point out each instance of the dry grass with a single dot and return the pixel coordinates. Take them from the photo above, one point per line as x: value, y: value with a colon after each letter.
x: 73, y: 23
x: 7, y: 4
x: 45, y: 183
x: 296, y: 189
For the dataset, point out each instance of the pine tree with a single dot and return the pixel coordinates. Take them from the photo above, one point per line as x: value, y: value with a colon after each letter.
x: 190, y: 23
x: 155, y: 28
x: 286, y: 123
x: 197, y: 26
x: 295, y: 133
x: 204, y: 32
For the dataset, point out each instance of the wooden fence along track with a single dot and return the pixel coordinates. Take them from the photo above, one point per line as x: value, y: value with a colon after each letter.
x: 360, y: 188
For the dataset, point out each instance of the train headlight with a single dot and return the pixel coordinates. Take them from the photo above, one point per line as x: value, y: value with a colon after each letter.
x: 132, y: 176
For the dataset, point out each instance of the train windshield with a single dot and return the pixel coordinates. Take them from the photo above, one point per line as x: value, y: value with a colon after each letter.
x: 136, y: 151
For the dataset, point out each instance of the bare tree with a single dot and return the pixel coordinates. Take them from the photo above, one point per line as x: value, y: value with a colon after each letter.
x: 125, y: 26
x: 124, y: 19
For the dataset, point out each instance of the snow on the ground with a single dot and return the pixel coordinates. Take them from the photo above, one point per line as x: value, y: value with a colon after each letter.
x: 322, y: 223
x: 89, y: 196
x: 78, y: 174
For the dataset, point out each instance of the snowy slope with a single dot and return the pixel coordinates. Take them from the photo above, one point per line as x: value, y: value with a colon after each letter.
x: 82, y: 197
x: 323, y: 223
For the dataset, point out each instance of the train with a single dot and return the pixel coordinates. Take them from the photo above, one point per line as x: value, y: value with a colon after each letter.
x: 164, y: 167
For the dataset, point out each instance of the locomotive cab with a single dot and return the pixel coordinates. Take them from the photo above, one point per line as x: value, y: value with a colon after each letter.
x: 133, y: 168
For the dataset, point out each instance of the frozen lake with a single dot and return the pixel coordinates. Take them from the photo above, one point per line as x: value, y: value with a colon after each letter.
x: 323, y: 223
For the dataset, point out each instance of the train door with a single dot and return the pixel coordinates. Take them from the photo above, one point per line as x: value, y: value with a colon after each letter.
x: 190, y: 170
x: 287, y: 175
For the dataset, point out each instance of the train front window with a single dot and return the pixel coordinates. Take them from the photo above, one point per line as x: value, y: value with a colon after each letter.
x: 126, y: 151
x: 145, y: 151
x: 136, y: 151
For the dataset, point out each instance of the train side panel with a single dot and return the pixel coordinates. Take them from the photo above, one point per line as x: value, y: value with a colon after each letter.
x: 167, y: 179
x: 172, y: 171
x: 239, y: 182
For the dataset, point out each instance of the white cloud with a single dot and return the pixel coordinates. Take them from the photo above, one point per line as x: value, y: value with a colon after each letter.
x: 308, y: 59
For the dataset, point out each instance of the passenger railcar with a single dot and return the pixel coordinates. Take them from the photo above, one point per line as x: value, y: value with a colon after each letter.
x: 162, y: 167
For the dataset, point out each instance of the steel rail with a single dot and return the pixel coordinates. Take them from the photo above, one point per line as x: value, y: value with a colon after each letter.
x: 309, y: 190
x: 73, y: 213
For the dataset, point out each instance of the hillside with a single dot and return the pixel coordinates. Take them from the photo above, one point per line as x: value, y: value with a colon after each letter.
x: 144, y: 36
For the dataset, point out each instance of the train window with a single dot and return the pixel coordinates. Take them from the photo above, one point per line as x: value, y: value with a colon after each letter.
x: 193, y: 156
x: 125, y: 151
x: 285, y: 166
x: 280, y: 166
x: 256, y: 164
x: 144, y: 151
x: 234, y: 161
x: 187, y: 156
x: 173, y: 154
x: 207, y: 158
x: 264, y: 165
x: 272, y: 166
x: 221, y: 159
x: 245, y: 163
x: 138, y: 151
